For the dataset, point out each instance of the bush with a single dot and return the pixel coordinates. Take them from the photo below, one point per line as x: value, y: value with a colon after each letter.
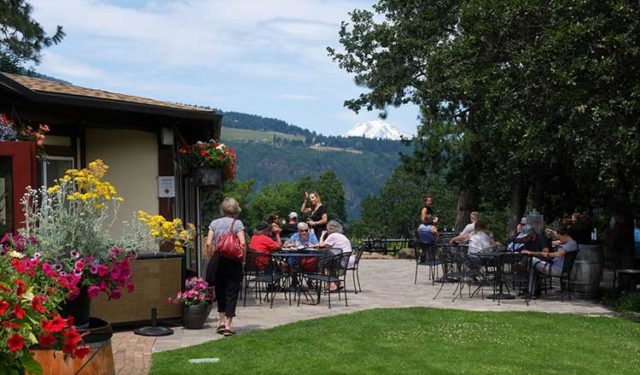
x: 629, y: 302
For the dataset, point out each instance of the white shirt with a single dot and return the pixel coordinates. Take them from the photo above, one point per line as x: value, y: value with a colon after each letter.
x: 479, y: 241
x: 468, y: 229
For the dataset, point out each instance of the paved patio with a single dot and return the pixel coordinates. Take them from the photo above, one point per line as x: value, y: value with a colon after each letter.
x: 385, y: 283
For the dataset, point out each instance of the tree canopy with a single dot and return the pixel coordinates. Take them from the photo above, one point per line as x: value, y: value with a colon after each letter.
x: 519, y: 99
x: 21, y: 37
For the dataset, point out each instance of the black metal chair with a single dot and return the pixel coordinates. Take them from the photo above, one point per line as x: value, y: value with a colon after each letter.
x: 564, y: 277
x: 331, y: 269
x: 355, y: 275
x: 261, y: 269
x: 426, y: 256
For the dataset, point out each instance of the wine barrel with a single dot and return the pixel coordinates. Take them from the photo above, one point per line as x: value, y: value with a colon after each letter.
x: 587, y: 271
x: 99, y: 361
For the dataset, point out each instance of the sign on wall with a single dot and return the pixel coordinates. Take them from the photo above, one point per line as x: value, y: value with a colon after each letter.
x: 166, y: 187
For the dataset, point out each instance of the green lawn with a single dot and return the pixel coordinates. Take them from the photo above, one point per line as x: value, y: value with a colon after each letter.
x: 422, y: 341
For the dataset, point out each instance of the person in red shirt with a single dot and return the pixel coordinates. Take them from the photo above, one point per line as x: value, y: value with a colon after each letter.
x: 261, y: 242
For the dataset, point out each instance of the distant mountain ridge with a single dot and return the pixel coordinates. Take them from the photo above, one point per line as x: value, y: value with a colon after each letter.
x: 271, y: 150
x: 254, y: 122
x: 376, y: 129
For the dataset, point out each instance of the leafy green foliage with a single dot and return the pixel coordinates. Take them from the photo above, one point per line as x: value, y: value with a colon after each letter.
x: 395, y: 212
x: 629, y: 302
x: 516, y: 96
x: 285, y: 197
x: 21, y: 37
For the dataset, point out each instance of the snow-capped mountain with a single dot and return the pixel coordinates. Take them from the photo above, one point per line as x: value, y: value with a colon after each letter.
x: 375, y: 129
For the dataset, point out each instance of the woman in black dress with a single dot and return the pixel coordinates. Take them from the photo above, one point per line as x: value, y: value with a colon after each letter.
x: 317, y: 212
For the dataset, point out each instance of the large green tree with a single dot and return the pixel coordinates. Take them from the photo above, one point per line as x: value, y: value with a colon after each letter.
x: 519, y: 99
x: 21, y: 37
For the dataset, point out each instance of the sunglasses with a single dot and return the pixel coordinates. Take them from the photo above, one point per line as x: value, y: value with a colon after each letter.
x: 304, y: 230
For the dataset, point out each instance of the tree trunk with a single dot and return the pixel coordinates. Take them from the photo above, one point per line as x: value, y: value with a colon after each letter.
x: 467, y: 202
x: 519, y: 192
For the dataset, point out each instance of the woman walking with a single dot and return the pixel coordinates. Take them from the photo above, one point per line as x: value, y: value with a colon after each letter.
x: 225, y: 274
x: 318, y: 217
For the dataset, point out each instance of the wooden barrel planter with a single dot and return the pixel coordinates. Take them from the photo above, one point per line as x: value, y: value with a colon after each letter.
x: 587, y: 271
x: 99, y: 361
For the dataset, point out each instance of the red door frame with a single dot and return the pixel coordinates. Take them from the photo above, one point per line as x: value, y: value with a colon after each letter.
x: 23, y: 164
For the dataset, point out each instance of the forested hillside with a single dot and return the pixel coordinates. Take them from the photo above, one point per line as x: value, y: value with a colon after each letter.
x: 362, y: 173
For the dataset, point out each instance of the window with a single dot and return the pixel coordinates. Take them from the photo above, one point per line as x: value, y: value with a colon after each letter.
x: 55, y: 167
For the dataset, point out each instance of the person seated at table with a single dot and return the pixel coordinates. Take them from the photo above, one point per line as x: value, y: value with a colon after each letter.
x: 303, y: 237
x: 479, y: 239
x: 428, y: 231
x: 473, y: 216
x: 550, y: 263
x: 291, y: 226
x: 334, y: 238
x: 261, y: 242
x: 272, y: 220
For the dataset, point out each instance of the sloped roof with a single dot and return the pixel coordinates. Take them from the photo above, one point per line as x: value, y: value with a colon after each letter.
x: 38, y: 88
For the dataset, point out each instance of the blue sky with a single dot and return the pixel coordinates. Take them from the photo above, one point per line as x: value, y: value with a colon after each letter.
x: 265, y: 57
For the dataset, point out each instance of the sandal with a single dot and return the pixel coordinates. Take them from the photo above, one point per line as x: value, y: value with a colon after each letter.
x: 221, y: 328
x: 228, y: 332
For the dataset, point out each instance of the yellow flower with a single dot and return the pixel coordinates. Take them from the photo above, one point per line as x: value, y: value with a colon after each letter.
x: 53, y: 189
x: 15, y: 254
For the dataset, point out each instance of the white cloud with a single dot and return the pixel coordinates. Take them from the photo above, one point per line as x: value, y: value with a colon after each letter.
x: 70, y: 68
x: 242, y: 53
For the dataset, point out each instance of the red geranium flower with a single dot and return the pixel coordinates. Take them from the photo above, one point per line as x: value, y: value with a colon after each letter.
x: 21, y: 287
x: 47, y: 339
x: 9, y: 324
x: 15, y: 342
x: 72, y: 336
x: 19, y: 311
x: 82, y: 351
x: 57, y: 324
x: 36, y: 303
x: 4, y: 305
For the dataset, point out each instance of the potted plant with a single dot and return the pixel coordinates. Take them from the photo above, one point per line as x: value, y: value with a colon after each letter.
x: 69, y: 222
x: 195, y: 300
x: 31, y: 290
x: 209, y: 162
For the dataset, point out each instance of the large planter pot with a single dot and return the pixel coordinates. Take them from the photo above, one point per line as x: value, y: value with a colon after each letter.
x: 194, y: 316
x: 79, y: 308
x: 99, y: 361
x: 207, y: 176
x: 156, y: 276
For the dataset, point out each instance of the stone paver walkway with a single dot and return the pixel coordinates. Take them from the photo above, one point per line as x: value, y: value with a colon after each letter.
x: 385, y: 283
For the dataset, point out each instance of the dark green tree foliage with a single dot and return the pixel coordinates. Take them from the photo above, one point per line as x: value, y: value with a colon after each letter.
x: 212, y: 197
x: 285, y: 197
x: 361, y: 174
x: 395, y: 211
x: 519, y: 98
x: 22, y: 38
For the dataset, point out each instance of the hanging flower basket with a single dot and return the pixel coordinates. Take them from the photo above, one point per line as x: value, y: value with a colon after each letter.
x: 206, y: 176
x: 206, y: 156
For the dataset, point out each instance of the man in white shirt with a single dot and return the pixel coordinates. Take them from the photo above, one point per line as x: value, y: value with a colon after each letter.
x: 473, y: 216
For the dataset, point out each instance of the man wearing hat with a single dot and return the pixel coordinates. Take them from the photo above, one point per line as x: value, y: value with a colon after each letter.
x: 291, y: 226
